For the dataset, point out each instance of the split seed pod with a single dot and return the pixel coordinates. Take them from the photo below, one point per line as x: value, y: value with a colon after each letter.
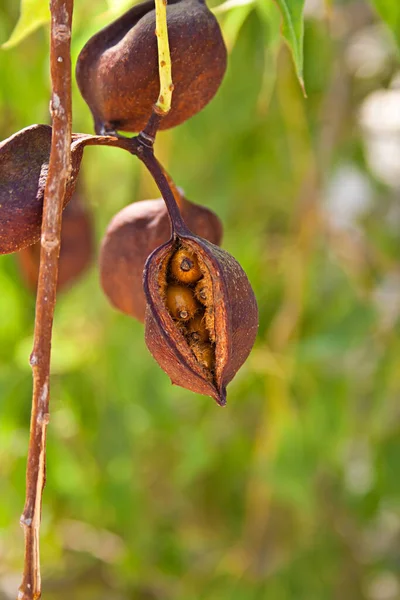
x: 75, y: 252
x: 24, y: 162
x: 132, y: 235
x: 230, y: 316
x: 117, y: 70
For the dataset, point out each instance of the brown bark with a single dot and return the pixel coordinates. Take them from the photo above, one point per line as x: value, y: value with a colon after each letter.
x: 59, y: 170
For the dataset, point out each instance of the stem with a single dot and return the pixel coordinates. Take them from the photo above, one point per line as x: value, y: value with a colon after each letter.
x: 59, y: 168
x: 163, y: 103
x: 162, y: 181
x: 140, y: 148
x: 177, y: 194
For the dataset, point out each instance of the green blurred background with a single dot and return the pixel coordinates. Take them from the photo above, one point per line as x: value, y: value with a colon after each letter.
x: 293, y: 490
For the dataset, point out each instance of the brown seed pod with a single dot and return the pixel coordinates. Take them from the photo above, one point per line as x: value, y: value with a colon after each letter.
x: 76, y: 248
x: 117, y: 70
x: 132, y: 235
x: 24, y: 161
x: 184, y: 266
x: 234, y: 325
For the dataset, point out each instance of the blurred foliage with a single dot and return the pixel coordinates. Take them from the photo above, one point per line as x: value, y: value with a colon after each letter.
x: 293, y: 490
x: 390, y: 12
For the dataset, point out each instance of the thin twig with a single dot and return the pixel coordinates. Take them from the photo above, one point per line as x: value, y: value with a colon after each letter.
x: 164, y: 183
x: 59, y: 170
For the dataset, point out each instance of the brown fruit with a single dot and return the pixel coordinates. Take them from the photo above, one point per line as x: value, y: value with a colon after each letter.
x: 117, y: 70
x: 230, y: 316
x: 24, y: 161
x: 76, y: 248
x: 131, y: 236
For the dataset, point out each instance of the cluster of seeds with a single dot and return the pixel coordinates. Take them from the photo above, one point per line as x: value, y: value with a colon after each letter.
x: 187, y: 290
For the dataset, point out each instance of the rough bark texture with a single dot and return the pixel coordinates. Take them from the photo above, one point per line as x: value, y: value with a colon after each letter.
x: 58, y: 173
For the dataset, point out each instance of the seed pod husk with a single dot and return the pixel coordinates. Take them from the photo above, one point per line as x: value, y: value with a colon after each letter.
x: 76, y: 249
x: 132, y: 235
x: 117, y: 70
x: 234, y: 323
x: 24, y: 161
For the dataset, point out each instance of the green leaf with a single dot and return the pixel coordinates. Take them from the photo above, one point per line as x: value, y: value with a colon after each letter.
x: 271, y: 19
x: 293, y: 32
x: 390, y: 13
x: 33, y: 14
x: 234, y: 13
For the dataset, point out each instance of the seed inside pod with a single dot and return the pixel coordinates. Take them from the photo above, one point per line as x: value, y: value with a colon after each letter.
x: 181, y: 302
x: 203, y: 290
x: 184, y: 266
x: 228, y: 314
x: 196, y: 329
x: 192, y: 319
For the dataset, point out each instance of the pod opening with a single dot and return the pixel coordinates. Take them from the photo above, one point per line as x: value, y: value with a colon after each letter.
x: 186, y: 288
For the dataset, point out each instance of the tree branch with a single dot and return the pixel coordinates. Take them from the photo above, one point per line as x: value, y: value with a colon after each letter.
x: 59, y: 171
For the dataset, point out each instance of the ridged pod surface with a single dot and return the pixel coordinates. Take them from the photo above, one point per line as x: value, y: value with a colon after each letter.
x: 131, y: 236
x: 230, y: 316
x: 117, y: 70
x: 24, y: 162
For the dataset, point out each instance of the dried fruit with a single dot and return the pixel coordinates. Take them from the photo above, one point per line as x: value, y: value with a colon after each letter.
x: 24, y: 161
x: 203, y: 363
x: 132, y: 235
x: 76, y: 248
x: 117, y: 70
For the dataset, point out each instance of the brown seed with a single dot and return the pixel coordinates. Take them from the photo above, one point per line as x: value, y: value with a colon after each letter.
x: 184, y: 266
x: 24, y: 161
x: 117, y: 70
x: 203, y: 290
x: 196, y: 329
x: 234, y: 317
x: 181, y: 302
x: 131, y: 237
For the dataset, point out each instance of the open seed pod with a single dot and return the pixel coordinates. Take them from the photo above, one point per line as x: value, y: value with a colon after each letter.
x: 76, y: 248
x: 132, y: 235
x: 117, y: 70
x: 24, y: 162
x: 199, y: 344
